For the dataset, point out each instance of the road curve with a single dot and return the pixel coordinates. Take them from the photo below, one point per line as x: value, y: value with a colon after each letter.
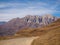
x: 18, y: 41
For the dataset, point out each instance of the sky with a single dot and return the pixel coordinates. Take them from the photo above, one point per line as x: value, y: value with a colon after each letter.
x: 19, y: 8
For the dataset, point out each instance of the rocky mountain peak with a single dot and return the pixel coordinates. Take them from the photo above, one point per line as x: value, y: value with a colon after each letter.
x: 40, y: 19
x: 47, y: 15
x: 27, y: 22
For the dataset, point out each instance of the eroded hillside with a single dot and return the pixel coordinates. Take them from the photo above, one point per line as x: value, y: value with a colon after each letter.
x: 28, y: 32
x: 50, y: 38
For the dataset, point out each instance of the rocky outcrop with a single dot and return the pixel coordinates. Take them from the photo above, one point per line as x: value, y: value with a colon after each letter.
x: 29, y: 21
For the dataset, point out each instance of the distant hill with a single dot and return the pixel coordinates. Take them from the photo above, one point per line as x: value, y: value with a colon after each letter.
x: 2, y: 22
x: 16, y: 24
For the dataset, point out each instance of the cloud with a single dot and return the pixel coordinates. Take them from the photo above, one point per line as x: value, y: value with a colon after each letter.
x: 20, y: 9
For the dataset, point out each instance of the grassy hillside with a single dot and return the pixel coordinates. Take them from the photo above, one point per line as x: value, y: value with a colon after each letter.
x: 39, y: 31
x: 52, y: 37
x: 28, y: 32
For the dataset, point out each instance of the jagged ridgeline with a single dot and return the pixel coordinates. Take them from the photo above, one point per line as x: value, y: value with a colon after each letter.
x: 29, y: 21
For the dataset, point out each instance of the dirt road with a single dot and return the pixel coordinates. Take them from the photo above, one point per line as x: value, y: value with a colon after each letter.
x: 18, y: 41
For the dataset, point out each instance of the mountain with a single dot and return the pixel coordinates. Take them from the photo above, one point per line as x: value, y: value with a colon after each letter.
x: 52, y: 37
x: 55, y: 26
x: 16, y: 24
x: 46, y: 33
x: 41, y: 20
x: 2, y: 22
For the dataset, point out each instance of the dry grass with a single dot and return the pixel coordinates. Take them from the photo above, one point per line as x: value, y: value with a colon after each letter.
x: 29, y: 32
x: 39, y: 31
x: 52, y: 37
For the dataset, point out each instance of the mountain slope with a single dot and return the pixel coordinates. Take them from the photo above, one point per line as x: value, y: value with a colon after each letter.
x: 52, y: 37
x: 16, y: 24
x: 28, y: 32
x: 2, y: 22
x: 39, y: 31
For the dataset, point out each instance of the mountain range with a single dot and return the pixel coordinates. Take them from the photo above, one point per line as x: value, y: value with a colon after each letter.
x: 2, y: 22
x: 29, y: 21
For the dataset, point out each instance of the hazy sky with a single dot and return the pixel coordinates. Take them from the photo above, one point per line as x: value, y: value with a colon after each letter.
x: 18, y: 8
